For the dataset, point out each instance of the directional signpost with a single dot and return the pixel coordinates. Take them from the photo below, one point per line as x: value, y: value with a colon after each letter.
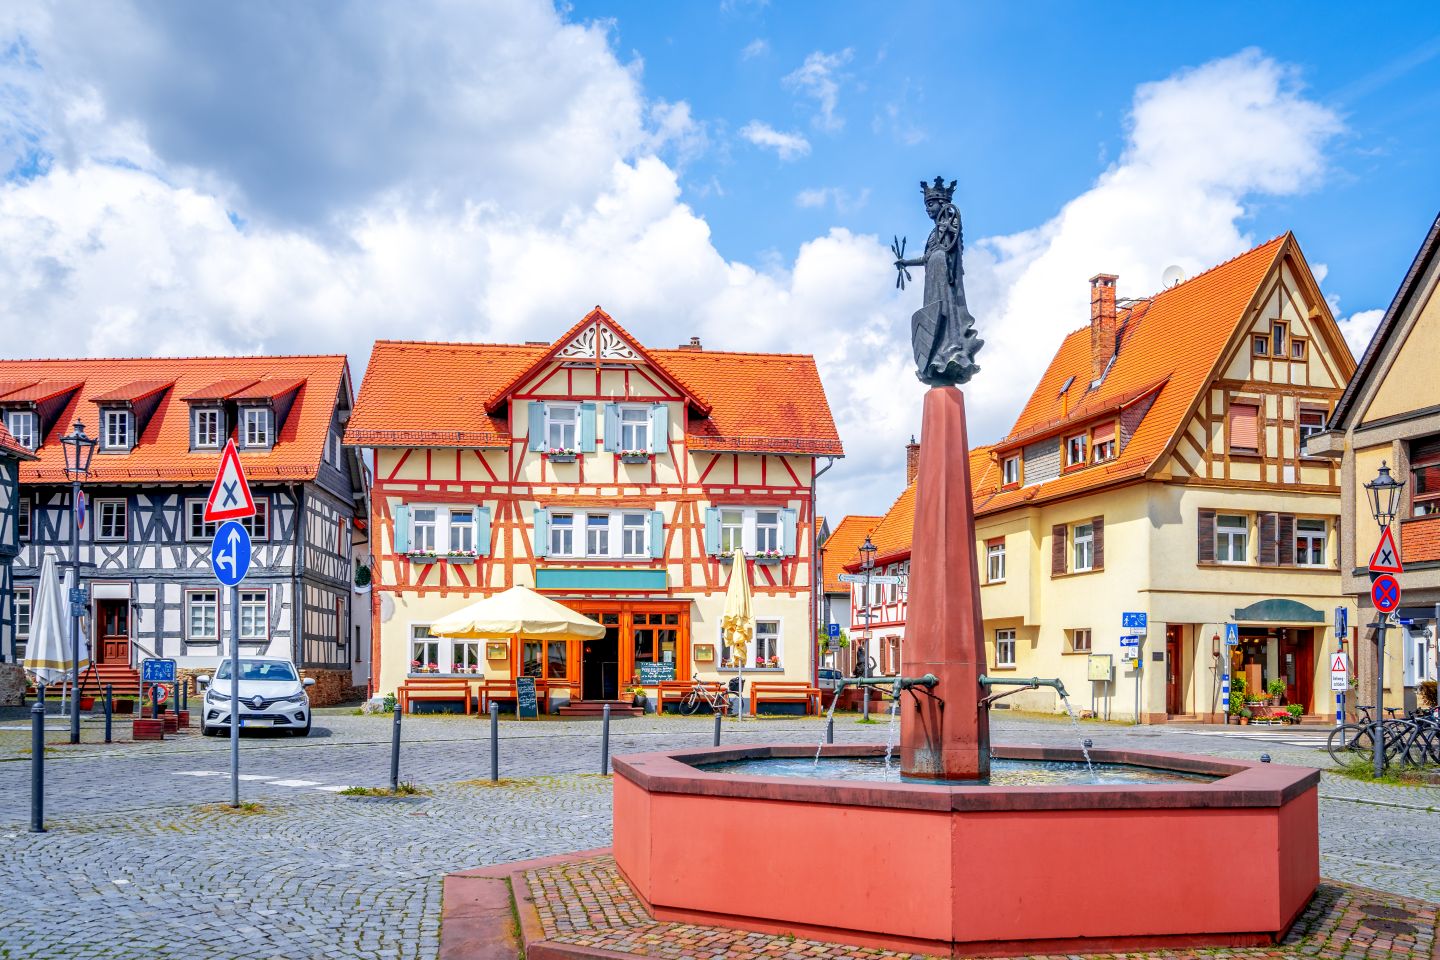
x: 873, y: 578
x: 229, y: 502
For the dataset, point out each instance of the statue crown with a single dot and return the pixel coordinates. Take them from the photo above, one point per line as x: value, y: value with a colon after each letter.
x: 938, y: 189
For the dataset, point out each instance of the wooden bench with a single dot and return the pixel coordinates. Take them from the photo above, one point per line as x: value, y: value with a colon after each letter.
x: 491, y: 690
x: 675, y: 691
x: 433, y: 688
x: 784, y: 691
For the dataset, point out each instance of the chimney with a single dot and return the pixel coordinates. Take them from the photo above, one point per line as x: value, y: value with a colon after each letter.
x: 1102, y: 324
x: 912, y: 460
x: 694, y: 344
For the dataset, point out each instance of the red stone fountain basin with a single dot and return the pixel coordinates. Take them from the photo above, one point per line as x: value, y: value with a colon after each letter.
x: 970, y: 870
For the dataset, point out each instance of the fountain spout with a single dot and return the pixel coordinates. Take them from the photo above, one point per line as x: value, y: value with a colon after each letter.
x: 897, y: 684
x: 1020, y: 684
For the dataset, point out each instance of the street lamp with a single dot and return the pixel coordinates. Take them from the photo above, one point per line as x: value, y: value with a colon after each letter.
x: 867, y: 563
x: 1384, y: 495
x: 78, y: 450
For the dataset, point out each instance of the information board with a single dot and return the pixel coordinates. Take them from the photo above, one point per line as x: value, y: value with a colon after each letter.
x: 526, y: 702
x: 651, y: 673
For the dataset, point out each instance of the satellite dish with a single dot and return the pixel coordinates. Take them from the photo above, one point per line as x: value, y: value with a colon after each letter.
x: 1173, y: 274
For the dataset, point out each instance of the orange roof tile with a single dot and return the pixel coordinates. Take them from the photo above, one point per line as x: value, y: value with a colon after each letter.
x: 434, y: 394
x: 162, y: 452
x: 40, y: 391
x: 842, y: 547
x: 8, y: 444
x: 1169, y: 348
x: 896, y: 529
x: 268, y: 389
x: 130, y: 392
x: 220, y: 390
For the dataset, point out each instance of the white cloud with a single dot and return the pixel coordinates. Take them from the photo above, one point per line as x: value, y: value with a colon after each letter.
x: 1358, y: 328
x: 789, y: 146
x: 818, y: 78
x: 843, y: 200
x: 755, y: 48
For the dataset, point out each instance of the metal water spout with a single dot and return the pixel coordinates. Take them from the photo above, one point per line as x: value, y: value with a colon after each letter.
x: 897, y: 684
x: 1020, y: 685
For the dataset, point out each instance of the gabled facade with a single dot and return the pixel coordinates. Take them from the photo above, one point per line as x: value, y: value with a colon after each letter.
x: 838, y: 549
x: 144, y: 547
x: 12, y: 454
x: 1390, y: 414
x: 1158, y: 468
x: 609, y: 476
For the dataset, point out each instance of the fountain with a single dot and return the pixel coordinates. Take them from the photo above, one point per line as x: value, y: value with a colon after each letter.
x: 952, y: 860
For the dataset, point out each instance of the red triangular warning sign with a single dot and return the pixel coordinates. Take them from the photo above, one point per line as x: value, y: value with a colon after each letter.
x: 1339, y: 666
x: 1386, y: 558
x: 230, y: 495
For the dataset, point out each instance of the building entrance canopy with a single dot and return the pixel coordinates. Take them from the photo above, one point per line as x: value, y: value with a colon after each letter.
x: 1278, y: 611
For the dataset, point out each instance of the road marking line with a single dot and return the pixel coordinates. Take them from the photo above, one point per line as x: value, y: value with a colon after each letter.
x: 332, y: 789
x: 294, y: 783
x: 197, y: 773
x: 255, y: 776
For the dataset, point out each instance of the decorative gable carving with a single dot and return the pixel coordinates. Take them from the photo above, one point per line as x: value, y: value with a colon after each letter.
x: 597, y: 342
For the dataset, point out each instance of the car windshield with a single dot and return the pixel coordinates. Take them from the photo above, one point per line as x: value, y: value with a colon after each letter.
x: 258, y: 670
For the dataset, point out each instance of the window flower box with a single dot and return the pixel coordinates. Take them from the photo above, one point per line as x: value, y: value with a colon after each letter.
x: 769, y: 556
x: 461, y: 556
x: 422, y: 556
x: 560, y: 455
x: 634, y: 456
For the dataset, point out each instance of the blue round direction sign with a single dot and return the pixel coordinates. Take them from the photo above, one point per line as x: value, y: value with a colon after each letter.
x: 1385, y: 593
x: 230, y: 553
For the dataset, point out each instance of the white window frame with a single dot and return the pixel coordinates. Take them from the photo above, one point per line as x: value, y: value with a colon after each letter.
x: 107, y: 506
x: 995, y: 562
x: 420, y: 634
x: 730, y: 531
x: 1075, y: 449
x: 195, y: 513
x: 257, y: 426
x: 1103, y: 451
x: 1010, y: 472
x: 553, y: 422
x: 563, y: 546
x: 459, y: 535
x: 23, y: 426
x: 635, y: 534
x: 1082, y: 547
x: 466, y: 653
x: 203, y: 436
x: 1311, y: 538
x: 1005, y: 638
x: 249, y: 600
x: 636, y: 429
x: 23, y: 599
x: 1308, y: 430
x: 768, y: 536
x: 1229, y: 535
x: 431, y: 528
x: 597, y: 535
x: 117, y: 429
x: 258, y: 523
x: 766, y: 643
x: 194, y: 599
x: 1079, y: 634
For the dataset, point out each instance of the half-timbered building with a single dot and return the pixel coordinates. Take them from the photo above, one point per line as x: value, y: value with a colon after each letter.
x: 614, y: 478
x: 144, y: 545
x: 1158, y: 469
x: 11, y: 456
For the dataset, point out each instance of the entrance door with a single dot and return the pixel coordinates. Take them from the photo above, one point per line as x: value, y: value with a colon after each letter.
x: 1297, y: 666
x: 113, y: 620
x: 1174, y: 691
x: 600, y: 663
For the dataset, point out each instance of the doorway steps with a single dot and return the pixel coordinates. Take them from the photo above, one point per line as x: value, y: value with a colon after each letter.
x: 121, y: 676
x: 595, y: 709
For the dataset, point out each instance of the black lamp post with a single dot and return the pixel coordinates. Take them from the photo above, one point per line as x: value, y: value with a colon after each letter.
x: 867, y: 563
x: 78, y: 450
x: 1384, y: 495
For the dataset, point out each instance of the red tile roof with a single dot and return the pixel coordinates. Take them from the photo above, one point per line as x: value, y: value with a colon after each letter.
x: 842, y: 547
x: 434, y: 394
x: 162, y: 452
x: 130, y: 392
x: 896, y: 529
x: 39, y: 391
x: 268, y: 389
x: 220, y: 390
x: 8, y: 444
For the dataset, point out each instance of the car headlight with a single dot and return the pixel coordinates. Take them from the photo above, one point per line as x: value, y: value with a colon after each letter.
x: 297, y: 698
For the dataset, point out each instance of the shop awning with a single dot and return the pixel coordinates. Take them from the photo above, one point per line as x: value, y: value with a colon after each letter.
x: 518, y: 612
x: 1278, y: 611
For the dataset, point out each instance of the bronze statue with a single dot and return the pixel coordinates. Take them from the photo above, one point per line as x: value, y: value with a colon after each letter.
x: 942, y: 331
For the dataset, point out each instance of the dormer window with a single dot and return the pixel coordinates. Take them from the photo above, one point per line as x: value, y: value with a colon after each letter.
x: 1010, y: 472
x: 257, y: 427
x: 22, y: 426
x: 205, y: 428
x: 1075, y: 451
x: 117, y: 429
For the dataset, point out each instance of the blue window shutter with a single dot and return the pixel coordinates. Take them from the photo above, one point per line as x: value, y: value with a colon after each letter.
x: 587, y: 427
x: 712, y: 531
x: 787, y: 531
x: 659, y: 427
x: 537, y: 426
x: 482, y: 531
x: 657, y: 534
x: 402, y: 528
x: 542, y: 532
x: 612, y: 428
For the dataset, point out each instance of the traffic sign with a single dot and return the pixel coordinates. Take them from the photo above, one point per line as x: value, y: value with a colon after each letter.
x: 1133, y: 620
x: 833, y: 630
x: 1385, y: 593
x: 873, y: 578
x: 1129, y: 641
x: 230, y: 553
x: 1342, y: 621
x: 161, y: 692
x: 1232, y: 635
x: 80, y: 594
x: 157, y: 670
x: 229, y: 495
x: 1386, y: 558
x: 1339, y: 672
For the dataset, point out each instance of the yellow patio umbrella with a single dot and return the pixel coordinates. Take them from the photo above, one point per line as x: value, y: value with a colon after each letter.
x: 737, y: 622
x: 517, y: 612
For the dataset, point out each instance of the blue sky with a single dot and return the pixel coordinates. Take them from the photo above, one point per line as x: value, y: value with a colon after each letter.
x: 297, y: 178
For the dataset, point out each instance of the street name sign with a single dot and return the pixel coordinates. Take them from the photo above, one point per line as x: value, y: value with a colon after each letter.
x: 230, y: 493
x: 1386, y: 558
x: 873, y: 578
x: 230, y: 553
x: 1385, y: 593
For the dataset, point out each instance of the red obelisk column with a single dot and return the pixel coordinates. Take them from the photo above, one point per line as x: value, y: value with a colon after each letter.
x: 946, y: 736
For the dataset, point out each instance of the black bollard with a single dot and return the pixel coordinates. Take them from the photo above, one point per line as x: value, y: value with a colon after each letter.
x: 830, y: 730
x: 1089, y: 743
x: 185, y: 694
x: 109, y: 709
x: 155, y: 702
x: 494, y: 743
x: 717, y: 729
x: 605, y: 740
x: 395, y: 753
x: 37, y: 761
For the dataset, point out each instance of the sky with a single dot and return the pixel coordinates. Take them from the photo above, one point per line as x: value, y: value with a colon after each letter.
x: 188, y: 179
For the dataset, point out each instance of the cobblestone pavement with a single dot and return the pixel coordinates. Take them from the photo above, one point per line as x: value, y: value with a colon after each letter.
x: 141, y: 861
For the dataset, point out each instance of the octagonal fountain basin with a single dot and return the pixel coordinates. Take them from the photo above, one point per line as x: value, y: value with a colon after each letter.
x: 1197, y: 851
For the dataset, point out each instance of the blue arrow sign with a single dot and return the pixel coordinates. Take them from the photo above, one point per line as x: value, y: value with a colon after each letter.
x: 230, y: 553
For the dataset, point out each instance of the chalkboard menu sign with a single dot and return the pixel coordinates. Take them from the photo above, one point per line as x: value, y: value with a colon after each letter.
x: 526, y: 703
x: 652, y: 673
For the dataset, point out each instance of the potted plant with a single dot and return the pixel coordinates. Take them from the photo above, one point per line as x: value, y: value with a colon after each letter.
x: 415, y: 666
x: 1244, y: 716
x: 637, y: 697
x: 634, y: 456
x: 560, y: 454
x: 1276, y: 689
x: 844, y: 641
x: 1294, y: 711
x: 1237, y: 696
x: 759, y: 661
x: 362, y: 578
x: 434, y: 668
x: 775, y: 662
x: 768, y: 556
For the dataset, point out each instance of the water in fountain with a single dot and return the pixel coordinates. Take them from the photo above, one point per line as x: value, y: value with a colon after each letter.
x: 829, y: 719
x: 894, y: 721
x: 1003, y: 772
x: 1074, y: 722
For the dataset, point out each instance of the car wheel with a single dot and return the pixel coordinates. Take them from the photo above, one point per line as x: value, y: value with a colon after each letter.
x: 209, y: 731
x: 303, y: 731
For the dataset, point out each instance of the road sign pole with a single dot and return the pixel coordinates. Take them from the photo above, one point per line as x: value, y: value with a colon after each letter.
x: 234, y: 696
x: 1381, y: 626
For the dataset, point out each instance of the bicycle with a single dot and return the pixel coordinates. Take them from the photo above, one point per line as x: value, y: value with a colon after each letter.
x: 1413, y: 740
x: 718, y: 701
x: 1351, y: 740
